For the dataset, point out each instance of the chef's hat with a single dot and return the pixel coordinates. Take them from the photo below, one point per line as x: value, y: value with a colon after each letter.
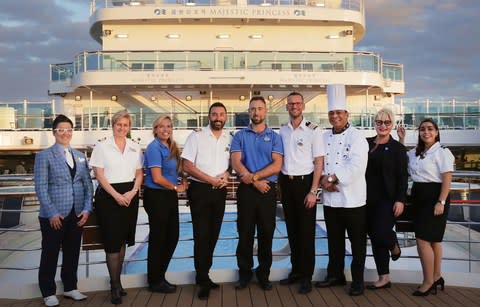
x: 336, y: 97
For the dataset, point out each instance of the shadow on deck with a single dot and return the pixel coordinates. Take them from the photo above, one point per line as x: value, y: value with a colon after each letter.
x: 227, y: 295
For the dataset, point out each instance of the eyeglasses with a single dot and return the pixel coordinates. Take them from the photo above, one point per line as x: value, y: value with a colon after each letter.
x: 383, y: 122
x: 63, y: 130
x: 293, y: 104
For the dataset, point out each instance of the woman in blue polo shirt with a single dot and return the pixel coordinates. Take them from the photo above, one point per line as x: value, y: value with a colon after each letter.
x: 162, y: 168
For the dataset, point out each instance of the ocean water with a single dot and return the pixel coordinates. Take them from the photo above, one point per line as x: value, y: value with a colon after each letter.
x: 224, y: 254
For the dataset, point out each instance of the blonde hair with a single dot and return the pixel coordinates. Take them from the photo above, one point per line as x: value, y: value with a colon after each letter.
x: 172, y: 145
x: 121, y: 114
x: 385, y: 111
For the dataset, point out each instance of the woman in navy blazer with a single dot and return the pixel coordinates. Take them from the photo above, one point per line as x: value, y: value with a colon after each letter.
x: 64, y: 189
x: 387, y: 180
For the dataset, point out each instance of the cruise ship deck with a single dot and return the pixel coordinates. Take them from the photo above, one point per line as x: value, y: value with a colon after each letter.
x: 227, y: 295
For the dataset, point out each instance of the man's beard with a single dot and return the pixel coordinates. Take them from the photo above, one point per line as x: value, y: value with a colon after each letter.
x: 214, y: 125
x: 257, y: 120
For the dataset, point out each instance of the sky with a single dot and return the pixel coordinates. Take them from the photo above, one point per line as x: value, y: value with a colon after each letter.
x: 437, y: 41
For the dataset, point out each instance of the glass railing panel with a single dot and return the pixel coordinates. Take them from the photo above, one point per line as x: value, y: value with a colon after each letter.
x: 201, y: 60
x: 393, y: 72
x: 61, y: 72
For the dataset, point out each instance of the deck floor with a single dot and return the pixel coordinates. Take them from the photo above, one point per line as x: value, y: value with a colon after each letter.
x: 227, y: 295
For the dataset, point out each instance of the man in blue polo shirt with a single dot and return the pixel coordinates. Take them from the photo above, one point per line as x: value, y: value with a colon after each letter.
x: 256, y: 156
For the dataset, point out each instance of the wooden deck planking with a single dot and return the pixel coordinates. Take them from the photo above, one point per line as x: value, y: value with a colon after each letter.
x: 227, y: 295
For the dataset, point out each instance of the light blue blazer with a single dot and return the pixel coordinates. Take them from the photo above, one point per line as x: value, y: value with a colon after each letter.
x: 54, y: 186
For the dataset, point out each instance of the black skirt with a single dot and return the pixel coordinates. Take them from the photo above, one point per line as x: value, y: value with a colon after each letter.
x: 427, y: 226
x: 117, y: 223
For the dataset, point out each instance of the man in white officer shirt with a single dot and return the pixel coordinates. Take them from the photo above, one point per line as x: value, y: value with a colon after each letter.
x: 344, y: 193
x: 299, y: 181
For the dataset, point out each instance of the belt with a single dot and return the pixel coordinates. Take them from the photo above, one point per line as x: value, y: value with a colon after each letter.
x: 298, y: 177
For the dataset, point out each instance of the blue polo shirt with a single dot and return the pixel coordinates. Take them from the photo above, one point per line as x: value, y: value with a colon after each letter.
x: 156, y: 155
x: 257, y: 149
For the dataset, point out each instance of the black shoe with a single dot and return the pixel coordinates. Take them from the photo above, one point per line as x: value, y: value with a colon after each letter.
x: 396, y: 256
x: 265, y: 284
x: 385, y: 286
x: 162, y: 287
x: 169, y: 284
x: 115, y: 297
x: 123, y: 292
x: 356, y: 289
x: 241, y: 284
x: 204, y: 293
x: 213, y: 285
x: 290, y: 280
x: 331, y: 282
x: 432, y: 289
x: 305, y: 287
x: 440, y: 282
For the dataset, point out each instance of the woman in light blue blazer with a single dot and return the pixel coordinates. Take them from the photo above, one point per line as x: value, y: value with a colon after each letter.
x: 64, y: 190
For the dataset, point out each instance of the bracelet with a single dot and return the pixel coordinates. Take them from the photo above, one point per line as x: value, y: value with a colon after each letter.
x: 314, y: 192
x: 135, y: 191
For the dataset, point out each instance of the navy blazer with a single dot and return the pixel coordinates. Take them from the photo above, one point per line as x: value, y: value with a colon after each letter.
x: 55, y: 188
x: 394, y: 169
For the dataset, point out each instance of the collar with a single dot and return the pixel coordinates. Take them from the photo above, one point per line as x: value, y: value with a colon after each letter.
x: 341, y: 130
x: 303, y: 124
x: 249, y: 128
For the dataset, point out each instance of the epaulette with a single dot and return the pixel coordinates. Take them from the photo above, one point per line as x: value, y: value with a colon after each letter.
x: 311, y: 125
x: 197, y: 129
x: 232, y: 132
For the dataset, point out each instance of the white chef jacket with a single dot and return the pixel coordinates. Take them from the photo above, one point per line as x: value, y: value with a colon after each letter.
x: 436, y: 161
x: 346, y: 156
x: 207, y: 153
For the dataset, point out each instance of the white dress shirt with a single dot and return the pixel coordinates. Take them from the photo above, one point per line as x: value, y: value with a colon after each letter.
x: 346, y: 156
x: 436, y: 161
x: 300, y: 146
x: 207, y: 153
x: 118, y: 167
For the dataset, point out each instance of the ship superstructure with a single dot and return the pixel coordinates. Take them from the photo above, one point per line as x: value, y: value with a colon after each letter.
x: 180, y: 56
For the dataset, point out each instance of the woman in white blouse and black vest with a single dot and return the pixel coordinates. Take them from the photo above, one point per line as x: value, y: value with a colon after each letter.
x: 430, y: 166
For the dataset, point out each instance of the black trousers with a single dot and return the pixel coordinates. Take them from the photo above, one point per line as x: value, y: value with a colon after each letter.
x: 300, y: 223
x: 68, y: 238
x: 255, y: 210
x: 380, y: 221
x: 162, y: 210
x: 207, y: 206
x: 354, y: 221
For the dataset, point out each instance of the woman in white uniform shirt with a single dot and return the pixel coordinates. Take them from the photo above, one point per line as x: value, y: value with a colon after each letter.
x: 117, y: 163
x: 430, y: 166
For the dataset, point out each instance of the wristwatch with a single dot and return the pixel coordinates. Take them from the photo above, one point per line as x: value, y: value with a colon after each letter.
x: 314, y: 192
x: 442, y: 202
x: 330, y: 179
x: 255, y: 177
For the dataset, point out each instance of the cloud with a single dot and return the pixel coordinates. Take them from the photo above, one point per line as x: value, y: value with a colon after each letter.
x: 436, y: 40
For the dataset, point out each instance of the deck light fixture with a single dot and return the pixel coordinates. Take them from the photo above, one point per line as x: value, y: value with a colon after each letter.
x: 241, y: 97
x: 188, y: 98
x: 173, y: 36
x: 114, y: 98
x: 190, y: 3
x: 335, y: 36
x: 270, y: 97
x: 223, y: 36
x: 121, y: 35
x: 135, y: 3
x: 256, y: 36
x: 78, y: 98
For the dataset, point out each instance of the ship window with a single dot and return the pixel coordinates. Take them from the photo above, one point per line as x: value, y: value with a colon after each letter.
x: 136, y: 66
x: 148, y: 66
x: 168, y: 66
x: 276, y: 66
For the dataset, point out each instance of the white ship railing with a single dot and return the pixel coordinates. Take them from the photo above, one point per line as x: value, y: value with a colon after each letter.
x: 207, y: 61
x: 354, y: 5
x: 463, y: 230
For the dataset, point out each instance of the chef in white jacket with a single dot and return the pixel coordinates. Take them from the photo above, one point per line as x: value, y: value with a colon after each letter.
x: 344, y: 193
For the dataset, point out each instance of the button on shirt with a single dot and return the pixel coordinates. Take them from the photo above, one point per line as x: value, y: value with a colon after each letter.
x: 207, y: 153
x: 346, y: 156
x: 118, y: 167
x: 257, y: 149
x: 301, y: 146
x: 157, y: 155
x: 436, y: 161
